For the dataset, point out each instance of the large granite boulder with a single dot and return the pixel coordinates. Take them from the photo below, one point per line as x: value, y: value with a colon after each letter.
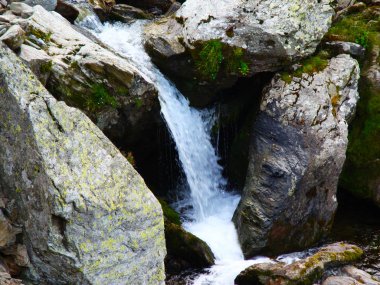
x: 206, y: 45
x: 86, y: 214
x: 306, y: 271
x: 86, y: 75
x: 297, y: 150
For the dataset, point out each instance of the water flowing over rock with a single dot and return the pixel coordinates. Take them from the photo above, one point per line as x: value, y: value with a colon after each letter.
x: 297, y: 151
x: 87, y: 216
x: 113, y: 93
x: 305, y: 271
x: 239, y: 38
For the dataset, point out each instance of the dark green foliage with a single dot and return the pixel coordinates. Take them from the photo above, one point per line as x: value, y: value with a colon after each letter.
x: 100, y: 97
x: 362, y: 28
x: 210, y: 59
x: 46, y: 67
x: 362, y: 167
x: 215, y: 56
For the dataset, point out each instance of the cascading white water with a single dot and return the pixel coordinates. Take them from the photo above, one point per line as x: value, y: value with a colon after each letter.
x: 213, y: 207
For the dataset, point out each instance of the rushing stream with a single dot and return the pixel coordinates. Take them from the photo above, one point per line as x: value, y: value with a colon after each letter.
x: 212, y: 207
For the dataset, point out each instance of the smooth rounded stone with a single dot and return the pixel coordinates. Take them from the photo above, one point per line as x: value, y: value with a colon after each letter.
x: 359, y: 275
x: 297, y: 150
x: 3, y: 3
x: 124, y: 13
x: 47, y: 4
x: 67, y: 10
x: 340, y: 280
x: 21, y: 9
x: 13, y: 37
x: 161, y: 6
x: 87, y: 215
x: 305, y: 271
x: 353, y: 49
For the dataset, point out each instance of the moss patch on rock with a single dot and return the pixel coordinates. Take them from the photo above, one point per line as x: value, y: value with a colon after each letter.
x: 310, y: 65
x: 214, y: 56
x: 362, y: 167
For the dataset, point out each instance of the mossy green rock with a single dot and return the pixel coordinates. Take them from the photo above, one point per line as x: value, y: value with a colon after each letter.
x: 303, y: 272
x: 361, y: 174
x: 185, y: 250
x: 87, y: 215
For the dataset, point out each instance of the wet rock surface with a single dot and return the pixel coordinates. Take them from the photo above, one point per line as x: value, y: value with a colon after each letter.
x: 297, y: 151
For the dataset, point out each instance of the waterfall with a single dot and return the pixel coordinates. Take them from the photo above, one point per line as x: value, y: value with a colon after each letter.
x: 212, y: 206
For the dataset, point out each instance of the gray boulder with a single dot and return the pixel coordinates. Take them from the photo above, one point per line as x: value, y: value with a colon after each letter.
x: 87, y: 215
x: 214, y: 42
x: 297, y: 151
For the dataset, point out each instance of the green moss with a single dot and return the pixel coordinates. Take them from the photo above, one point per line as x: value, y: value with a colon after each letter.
x: 100, y: 98
x: 361, y: 27
x: 310, y: 65
x: 210, y: 59
x: 171, y: 215
x: 362, y: 167
x: 46, y: 67
x: 214, y: 56
x: 46, y: 37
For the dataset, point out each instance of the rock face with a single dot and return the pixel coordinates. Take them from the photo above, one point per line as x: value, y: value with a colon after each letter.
x: 112, y: 92
x: 297, y: 151
x: 211, y: 43
x: 305, y: 271
x: 86, y: 214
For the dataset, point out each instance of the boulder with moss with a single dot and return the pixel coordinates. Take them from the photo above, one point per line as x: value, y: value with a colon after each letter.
x: 185, y: 250
x: 86, y: 75
x: 297, y: 150
x: 361, y: 174
x: 86, y: 214
x: 205, y: 46
x: 305, y: 271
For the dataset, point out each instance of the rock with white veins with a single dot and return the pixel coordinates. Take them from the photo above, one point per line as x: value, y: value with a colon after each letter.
x: 87, y: 215
x: 297, y: 151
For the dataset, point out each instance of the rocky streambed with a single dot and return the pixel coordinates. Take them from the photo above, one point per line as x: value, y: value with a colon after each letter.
x: 150, y: 140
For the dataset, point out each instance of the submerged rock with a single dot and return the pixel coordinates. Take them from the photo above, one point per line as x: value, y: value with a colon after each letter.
x: 205, y: 46
x: 305, y: 271
x: 87, y: 215
x: 297, y: 151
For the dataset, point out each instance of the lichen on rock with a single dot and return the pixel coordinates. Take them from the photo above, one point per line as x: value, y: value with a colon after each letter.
x: 87, y: 215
